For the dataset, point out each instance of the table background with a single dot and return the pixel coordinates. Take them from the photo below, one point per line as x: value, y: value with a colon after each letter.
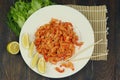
x: 12, y: 67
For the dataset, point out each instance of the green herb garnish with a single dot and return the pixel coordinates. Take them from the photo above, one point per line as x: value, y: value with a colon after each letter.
x: 21, y: 10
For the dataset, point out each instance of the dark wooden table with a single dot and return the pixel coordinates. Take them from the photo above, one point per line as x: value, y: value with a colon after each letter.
x: 12, y: 67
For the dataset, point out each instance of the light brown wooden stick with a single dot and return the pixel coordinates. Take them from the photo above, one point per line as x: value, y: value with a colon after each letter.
x: 88, y: 57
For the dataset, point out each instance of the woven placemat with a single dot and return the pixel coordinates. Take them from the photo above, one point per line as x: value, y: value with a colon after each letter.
x: 97, y: 17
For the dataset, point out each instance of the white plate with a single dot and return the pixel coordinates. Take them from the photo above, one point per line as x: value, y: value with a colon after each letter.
x: 64, y: 13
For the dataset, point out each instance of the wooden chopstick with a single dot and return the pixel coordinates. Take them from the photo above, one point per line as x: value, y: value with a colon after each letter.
x: 88, y: 57
x: 85, y: 49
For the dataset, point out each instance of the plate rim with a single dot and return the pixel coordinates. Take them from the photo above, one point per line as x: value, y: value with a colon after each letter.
x: 38, y: 11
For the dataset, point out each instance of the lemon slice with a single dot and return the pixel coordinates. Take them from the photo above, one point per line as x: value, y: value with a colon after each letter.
x: 13, y: 47
x: 34, y: 60
x: 25, y: 40
x: 31, y: 49
x: 41, y: 65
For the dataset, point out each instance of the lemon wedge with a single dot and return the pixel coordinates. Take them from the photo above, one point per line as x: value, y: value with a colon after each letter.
x: 13, y: 47
x: 41, y: 65
x: 25, y: 40
x: 34, y: 60
x: 31, y: 49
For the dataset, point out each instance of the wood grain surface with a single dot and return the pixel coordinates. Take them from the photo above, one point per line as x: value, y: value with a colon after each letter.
x: 12, y: 67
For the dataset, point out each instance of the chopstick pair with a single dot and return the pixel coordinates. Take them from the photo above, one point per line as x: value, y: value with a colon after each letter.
x: 72, y: 58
